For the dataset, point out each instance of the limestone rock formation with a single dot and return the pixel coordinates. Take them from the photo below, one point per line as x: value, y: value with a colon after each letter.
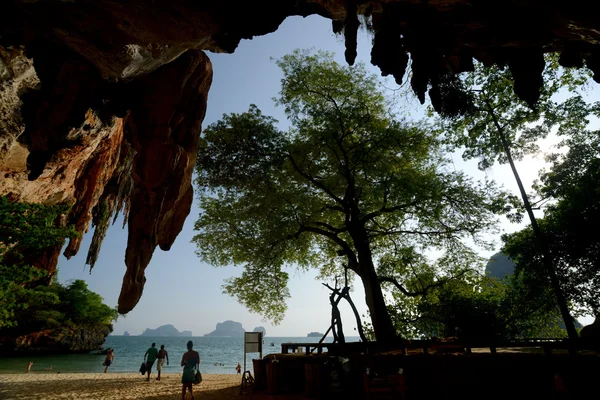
x: 101, y: 101
x: 499, y: 266
x: 228, y: 329
x: 260, y: 329
x: 592, y: 330
x: 57, y: 341
x: 165, y: 331
x: 101, y: 165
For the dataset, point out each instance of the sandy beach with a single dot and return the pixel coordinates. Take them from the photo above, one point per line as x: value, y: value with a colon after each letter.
x: 118, y: 386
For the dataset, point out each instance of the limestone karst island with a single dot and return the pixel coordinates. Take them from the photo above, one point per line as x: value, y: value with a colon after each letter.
x: 415, y: 181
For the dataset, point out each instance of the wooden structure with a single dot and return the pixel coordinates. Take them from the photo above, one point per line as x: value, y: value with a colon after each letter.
x: 428, y: 346
x: 385, y: 387
x: 437, y: 368
x: 247, y: 383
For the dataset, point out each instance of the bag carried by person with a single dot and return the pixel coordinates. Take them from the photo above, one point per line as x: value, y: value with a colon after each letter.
x: 197, y: 377
x: 143, y: 368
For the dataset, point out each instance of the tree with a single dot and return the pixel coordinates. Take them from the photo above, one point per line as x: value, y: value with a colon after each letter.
x: 27, y: 302
x: 25, y: 227
x: 493, y: 124
x: 348, y: 183
x: 570, y: 223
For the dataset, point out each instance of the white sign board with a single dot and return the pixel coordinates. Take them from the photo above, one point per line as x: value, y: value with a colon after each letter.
x: 253, y: 342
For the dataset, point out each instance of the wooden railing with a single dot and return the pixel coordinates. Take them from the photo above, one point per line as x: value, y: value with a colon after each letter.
x: 548, y: 344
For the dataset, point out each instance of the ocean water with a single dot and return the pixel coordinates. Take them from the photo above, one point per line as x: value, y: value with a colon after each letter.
x: 218, y: 355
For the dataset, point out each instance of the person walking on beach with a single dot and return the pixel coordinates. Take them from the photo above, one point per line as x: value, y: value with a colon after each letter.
x: 151, y: 353
x: 162, y: 354
x: 110, y: 356
x: 238, y: 369
x: 190, y: 363
x: 29, y: 365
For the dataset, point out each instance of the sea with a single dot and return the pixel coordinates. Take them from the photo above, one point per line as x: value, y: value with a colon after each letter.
x: 218, y: 355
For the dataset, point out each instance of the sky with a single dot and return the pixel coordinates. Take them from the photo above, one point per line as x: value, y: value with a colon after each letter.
x: 187, y: 293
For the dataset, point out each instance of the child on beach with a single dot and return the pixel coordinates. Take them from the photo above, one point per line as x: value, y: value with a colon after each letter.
x: 238, y: 368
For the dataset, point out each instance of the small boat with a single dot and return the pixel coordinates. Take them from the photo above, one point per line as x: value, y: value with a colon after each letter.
x: 272, y: 344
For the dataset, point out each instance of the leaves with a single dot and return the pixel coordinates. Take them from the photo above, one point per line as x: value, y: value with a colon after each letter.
x: 349, y: 183
x: 490, y: 90
x: 27, y: 303
x: 570, y: 222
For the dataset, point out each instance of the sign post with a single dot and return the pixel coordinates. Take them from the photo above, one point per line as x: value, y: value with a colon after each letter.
x: 252, y: 344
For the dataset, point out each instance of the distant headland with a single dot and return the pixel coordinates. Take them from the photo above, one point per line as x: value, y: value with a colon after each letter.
x: 165, y: 330
x: 315, y: 334
x: 260, y: 329
x: 232, y: 329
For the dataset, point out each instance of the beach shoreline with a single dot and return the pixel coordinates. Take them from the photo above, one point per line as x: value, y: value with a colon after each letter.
x: 115, y: 386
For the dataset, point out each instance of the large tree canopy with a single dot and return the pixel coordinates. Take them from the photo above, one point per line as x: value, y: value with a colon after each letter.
x: 348, y: 183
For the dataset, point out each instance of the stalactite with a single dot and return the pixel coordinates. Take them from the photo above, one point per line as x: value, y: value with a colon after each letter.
x: 351, y: 25
x: 527, y: 67
x: 114, y: 200
x: 571, y: 58
x: 593, y: 63
x: 388, y: 52
x: 420, y: 76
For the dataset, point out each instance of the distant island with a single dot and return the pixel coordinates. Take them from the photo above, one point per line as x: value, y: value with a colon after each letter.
x: 315, y: 334
x: 165, y: 330
x: 260, y: 329
x: 228, y: 329
x: 125, y: 333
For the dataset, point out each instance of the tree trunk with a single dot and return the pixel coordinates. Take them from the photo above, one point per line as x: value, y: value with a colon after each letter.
x: 380, y: 318
x: 542, y: 245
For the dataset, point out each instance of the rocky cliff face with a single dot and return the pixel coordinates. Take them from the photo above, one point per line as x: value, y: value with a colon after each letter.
x: 101, y: 101
x: 58, y: 341
x: 140, y: 163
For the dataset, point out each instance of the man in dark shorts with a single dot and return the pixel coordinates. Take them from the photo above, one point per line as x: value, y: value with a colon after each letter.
x: 162, y: 354
x: 110, y: 356
x: 151, y: 353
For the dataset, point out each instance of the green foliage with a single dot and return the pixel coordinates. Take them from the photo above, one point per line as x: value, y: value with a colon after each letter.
x: 349, y: 183
x: 58, y: 305
x: 494, y: 104
x: 570, y: 224
x: 31, y: 225
x: 481, y: 307
x: 25, y: 227
x: 27, y: 303
x: 501, y: 128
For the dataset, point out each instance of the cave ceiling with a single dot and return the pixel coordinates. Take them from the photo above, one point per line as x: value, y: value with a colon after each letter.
x: 102, y: 100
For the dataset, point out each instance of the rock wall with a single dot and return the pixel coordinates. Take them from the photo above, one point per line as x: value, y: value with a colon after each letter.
x: 57, y: 341
x: 54, y: 150
x: 101, y: 101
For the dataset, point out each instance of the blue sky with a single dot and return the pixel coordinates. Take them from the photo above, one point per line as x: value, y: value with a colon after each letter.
x: 185, y: 292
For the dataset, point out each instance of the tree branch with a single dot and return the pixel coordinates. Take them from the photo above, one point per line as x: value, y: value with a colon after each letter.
x: 439, y: 283
x: 315, y: 182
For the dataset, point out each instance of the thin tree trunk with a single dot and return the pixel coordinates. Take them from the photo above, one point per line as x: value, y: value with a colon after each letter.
x: 546, y: 256
x: 333, y: 330
x: 359, y: 327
